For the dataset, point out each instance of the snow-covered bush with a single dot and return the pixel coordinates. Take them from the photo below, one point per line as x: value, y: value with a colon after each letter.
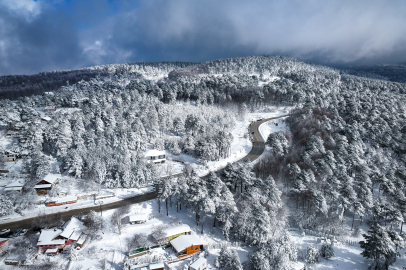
x: 326, y: 251
x: 312, y: 255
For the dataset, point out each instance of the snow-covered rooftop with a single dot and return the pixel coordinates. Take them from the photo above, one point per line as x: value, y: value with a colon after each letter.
x: 81, y: 239
x: 3, y: 239
x: 64, y: 199
x: 159, y: 265
x: 16, y: 183
x: 73, y: 229
x: 176, y: 230
x: 184, y: 241
x: 199, y: 262
x: 152, y: 153
x: 47, y: 236
x: 13, y: 188
x: 46, y: 118
x: 51, y: 250
x: 138, y: 217
x: 51, y: 178
x: 43, y: 186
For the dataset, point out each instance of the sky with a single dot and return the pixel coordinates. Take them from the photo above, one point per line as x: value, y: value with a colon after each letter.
x: 47, y: 35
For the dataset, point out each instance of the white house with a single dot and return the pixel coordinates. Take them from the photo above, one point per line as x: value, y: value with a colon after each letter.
x: 9, y: 156
x: 155, y: 156
x: 15, y: 186
x: 138, y: 218
x: 199, y: 264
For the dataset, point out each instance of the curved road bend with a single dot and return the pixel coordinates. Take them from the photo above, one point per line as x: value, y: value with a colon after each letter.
x: 258, y: 143
x: 258, y: 147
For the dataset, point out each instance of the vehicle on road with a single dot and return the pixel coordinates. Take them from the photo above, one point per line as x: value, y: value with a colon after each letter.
x: 253, y: 132
x: 23, y: 232
x: 16, y: 233
x: 5, y: 232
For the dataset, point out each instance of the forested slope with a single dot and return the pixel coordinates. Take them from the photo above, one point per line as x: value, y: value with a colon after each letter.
x: 343, y: 158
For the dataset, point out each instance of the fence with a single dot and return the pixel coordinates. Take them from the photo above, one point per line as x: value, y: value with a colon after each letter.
x: 340, y: 239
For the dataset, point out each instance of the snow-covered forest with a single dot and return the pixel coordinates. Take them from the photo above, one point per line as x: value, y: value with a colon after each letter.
x: 343, y: 158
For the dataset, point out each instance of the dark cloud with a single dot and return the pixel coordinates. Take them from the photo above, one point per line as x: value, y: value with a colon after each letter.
x: 84, y: 33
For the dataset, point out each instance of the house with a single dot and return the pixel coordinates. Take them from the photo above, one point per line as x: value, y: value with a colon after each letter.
x: 157, y: 266
x: 46, y: 118
x: 62, y: 201
x: 173, y: 232
x: 72, y: 232
x: 3, y: 244
x: 47, y: 183
x: 155, y: 156
x: 15, y: 186
x: 50, y: 108
x: 9, y: 156
x: 138, y: 218
x: 49, y: 239
x: 186, y: 245
x: 199, y: 264
x: 51, y: 251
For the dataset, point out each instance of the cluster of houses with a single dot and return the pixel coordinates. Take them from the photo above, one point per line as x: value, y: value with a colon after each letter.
x: 52, y: 241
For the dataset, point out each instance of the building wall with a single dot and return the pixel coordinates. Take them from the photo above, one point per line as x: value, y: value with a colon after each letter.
x: 191, y: 250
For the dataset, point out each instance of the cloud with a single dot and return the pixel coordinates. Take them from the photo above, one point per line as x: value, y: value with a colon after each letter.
x: 45, y: 35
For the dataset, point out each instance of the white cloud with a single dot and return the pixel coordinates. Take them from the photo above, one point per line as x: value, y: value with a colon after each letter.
x: 26, y: 8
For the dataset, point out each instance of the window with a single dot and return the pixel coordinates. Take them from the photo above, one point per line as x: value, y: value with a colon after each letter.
x: 161, y: 156
x: 182, y: 253
x: 196, y: 249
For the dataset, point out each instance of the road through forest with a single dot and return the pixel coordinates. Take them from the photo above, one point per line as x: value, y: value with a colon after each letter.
x: 258, y: 147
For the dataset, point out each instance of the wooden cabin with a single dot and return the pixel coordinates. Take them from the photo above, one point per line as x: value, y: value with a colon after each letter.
x: 186, y: 245
x: 47, y: 183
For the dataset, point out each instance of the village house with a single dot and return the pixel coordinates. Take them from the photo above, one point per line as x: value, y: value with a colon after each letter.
x: 72, y: 232
x: 138, y: 218
x: 173, y: 232
x: 9, y: 156
x: 50, y: 108
x: 155, y: 156
x: 47, y: 183
x: 15, y: 186
x: 199, y: 264
x: 49, y: 239
x: 46, y: 118
x: 186, y: 245
x: 62, y: 201
x: 3, y: 244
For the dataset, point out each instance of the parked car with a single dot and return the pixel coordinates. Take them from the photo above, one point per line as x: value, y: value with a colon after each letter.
x: 16, y: 233
x: 23, y: 232
x: 5, y: 232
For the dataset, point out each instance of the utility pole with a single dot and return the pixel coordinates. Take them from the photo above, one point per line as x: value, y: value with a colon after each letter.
x: 101, y: 210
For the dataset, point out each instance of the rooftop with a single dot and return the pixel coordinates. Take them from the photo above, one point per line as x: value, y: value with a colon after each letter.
x: 64, y: 199
x: 137, y: 217
x: 47, y: 236
x: 184, y: 241
x: 176, y: 230
x: 72, y: 229
x: 156, y: 266
x: 154, y: 153
x: 16, y: 183
x: 43, y: 186
x: 199, y: 262
x: 51, y: 178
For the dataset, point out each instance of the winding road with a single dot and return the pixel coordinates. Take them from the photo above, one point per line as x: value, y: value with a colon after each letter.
x: 258, y: 147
